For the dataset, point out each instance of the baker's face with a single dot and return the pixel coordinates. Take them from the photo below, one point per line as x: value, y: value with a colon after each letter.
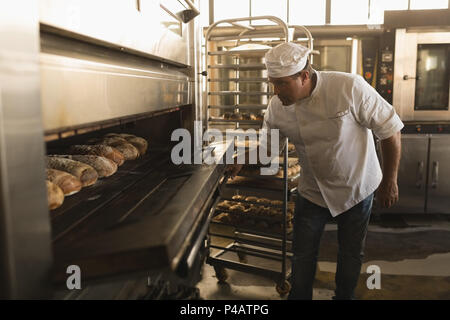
x: 289, y: 89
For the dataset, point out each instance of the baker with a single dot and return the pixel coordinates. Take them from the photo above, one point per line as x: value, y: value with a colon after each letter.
x: 330, y: 118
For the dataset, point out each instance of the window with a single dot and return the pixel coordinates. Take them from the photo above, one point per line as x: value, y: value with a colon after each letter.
x: 276, y: 8
x: 377, y: 8
x: 306, y: 12
x: 229, y: 9
x: 349, y: 11
x: 429, y: 4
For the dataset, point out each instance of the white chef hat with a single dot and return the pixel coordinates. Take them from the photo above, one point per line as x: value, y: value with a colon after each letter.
x: 286, y: 59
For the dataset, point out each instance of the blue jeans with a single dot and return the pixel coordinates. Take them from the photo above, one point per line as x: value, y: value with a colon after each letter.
x: 309, y: 223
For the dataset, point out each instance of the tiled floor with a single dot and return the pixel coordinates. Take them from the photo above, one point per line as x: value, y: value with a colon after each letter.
x: 414, y: 264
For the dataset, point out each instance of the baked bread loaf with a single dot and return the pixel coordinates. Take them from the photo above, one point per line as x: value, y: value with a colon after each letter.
x: 139, y: 143
x: 98, y: 150
x: 104, y: 166
x: 87, y: 175
x: 251, y: 199
x: 276, y: 203
x: 55, y: 196
x: 127, y: 149
x: 263, y: 201
x: 237, y: 208
x: 223, y: 217
x: 224, y: 205
x: 68, y: 183
x: 238, y: 197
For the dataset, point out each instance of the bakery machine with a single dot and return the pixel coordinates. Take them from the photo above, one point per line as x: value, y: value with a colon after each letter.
x: 66, y: 79
x: 413, y: 75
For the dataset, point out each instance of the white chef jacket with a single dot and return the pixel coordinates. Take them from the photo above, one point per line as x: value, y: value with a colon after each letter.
x: 332, y: 133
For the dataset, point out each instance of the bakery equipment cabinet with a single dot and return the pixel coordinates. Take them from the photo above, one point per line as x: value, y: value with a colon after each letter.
x: 423, y: 167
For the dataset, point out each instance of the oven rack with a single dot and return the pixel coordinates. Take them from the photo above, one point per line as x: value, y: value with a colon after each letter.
x: 274, y: 250
x: 240, y: 106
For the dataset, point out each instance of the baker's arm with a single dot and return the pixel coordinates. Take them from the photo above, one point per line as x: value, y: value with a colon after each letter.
x: 387, y: 193
x: 265, y: 145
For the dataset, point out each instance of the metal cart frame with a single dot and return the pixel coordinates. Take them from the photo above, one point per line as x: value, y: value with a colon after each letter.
x: 265, y: 245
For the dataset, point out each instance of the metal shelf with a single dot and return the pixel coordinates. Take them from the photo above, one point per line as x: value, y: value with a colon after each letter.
x: 240, y: 106
x: 274, y: 177
x: 235, y: 120
x: 257, y: 53
x: 239, y: 80
x: 270, y: 241
x: 256, y: 66
x: 250, y: 231
x: 241, y: 93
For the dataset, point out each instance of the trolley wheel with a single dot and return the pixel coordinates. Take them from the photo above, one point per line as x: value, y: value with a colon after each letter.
x: 221, y: 274
x: 283, y: 288
x: 242, y: 257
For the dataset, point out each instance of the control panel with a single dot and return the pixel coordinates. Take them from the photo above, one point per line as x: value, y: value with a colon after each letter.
x: 385, y: 82
x: 369, y: 59
x: 435, y: 128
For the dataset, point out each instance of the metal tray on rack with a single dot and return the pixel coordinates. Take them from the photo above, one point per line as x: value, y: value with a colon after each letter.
x: 254, y: 66
x: 243, y: 93
x: 240, y: 106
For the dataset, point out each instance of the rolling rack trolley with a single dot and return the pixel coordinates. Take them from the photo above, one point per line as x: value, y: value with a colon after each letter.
x: 239, y: 85
x: 249, y: 238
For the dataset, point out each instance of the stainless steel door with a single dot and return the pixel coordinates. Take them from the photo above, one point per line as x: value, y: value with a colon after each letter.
x: 438, y: 200
x: 420, y: 90
x: 412, y: 175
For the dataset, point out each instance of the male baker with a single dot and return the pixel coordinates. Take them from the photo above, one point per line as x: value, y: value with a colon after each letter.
x: 330, y: 117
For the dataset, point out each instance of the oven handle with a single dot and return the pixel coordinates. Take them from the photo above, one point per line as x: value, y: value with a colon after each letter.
x: 406, y: 77
x: 434, y: 181
x: 419, y: 175
x: 185, y: 266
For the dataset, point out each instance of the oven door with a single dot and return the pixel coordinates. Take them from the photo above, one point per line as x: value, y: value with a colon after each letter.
x: 421, y: 78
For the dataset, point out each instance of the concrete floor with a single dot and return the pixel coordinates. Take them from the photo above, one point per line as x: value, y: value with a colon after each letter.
x: 425, y: 277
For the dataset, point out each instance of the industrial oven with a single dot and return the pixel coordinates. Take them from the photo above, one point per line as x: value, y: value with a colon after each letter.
x: 413, y: 75
x: 72, y: 71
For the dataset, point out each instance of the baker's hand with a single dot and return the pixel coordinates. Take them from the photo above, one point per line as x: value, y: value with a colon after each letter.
x: 233, y: 169
x: 387, y: 194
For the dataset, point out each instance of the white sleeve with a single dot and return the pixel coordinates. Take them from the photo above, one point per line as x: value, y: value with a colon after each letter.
x: 375, y: 113
x: 265, y: 138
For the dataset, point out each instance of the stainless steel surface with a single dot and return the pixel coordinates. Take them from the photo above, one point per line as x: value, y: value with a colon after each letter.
x: 300, y: 32
x: 438, y: 200
x: 160, y: 223
x: 240, y: 80
x: 198, y: 87
x: 96, y: 84
x: 412, y: 175
x: 24, y: 218
x: 243, y: 93
x: 226, y: 33
x: 339, y: 31
x: 338, y: 55
x: 256, y: 66
x: 236, y: 53
x: 122, y: 24
x: 405, y: 62
x: 240, y: 106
